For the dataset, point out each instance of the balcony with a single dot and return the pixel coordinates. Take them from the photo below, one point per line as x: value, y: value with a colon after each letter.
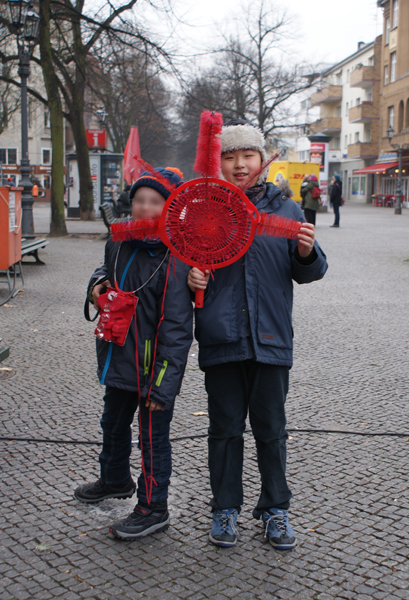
x: 329, y: 93
x: 363, y: 77
x: 327, y: 126
x: 363, y: 150
x: 363, y: 113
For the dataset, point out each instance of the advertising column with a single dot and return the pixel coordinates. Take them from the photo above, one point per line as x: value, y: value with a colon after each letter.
x: 319, y: 153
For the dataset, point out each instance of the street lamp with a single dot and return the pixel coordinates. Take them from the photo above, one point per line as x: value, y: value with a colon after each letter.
x: 390, y: 131
x: 24, y: 23
x: 101, y: 115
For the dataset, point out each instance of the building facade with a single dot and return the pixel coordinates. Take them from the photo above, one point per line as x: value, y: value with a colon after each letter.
x: 347, y: 96
x: 394, y: 95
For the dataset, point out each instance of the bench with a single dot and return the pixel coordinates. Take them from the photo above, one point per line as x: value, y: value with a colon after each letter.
x: 109, y: 217
x: 31, y: 248
x: 4, y: 352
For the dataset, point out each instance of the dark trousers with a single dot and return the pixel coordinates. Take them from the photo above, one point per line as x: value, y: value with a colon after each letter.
x: 119, y: 409
x: 310, y: 215
x: 336, y: 213
x: 235, y: 389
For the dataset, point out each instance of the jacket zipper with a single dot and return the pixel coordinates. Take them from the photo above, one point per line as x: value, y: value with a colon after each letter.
x: 147, y: 358
x: 161, y: 373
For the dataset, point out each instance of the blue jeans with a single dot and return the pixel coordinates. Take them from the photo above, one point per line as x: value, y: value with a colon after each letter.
x: 336, y: 213
x: 119, y: 410
x: 235, y: 389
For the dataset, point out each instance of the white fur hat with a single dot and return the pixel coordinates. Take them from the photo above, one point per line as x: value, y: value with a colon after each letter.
x: 238, y: 134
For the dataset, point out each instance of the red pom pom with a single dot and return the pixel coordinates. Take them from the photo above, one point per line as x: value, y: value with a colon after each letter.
x: 209, y: 145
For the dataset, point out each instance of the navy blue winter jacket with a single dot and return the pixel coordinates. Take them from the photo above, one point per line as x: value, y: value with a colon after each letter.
x: 247, y: 311
x: 116, y: 364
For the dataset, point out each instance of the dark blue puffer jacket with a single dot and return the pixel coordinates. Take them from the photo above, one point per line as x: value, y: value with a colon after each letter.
x: 116, y: 364
x: 247, y: 311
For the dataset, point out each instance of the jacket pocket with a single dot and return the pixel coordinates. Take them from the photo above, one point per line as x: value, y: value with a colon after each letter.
x: 274, y: 318
x: 215, y: 322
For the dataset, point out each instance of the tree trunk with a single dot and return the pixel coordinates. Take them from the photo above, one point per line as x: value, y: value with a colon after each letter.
x: 58, y: 227
x: 87, y: 211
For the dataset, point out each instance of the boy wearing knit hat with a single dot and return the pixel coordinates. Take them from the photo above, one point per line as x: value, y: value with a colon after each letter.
x: 245, y: 348
x: 147, y: 371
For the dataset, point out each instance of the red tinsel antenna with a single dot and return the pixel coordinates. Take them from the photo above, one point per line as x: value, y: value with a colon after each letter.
x: 147, y: 167
x: 209, y: 145
x: 278, y: 226
x: 140, y: 229
x: 256, y: 175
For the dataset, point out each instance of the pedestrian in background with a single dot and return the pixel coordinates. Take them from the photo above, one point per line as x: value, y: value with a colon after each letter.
x: 311, y: 204
x: 123, y: 202
x: 336, y: 197
x: 284, y: 186
x: 303, y: 191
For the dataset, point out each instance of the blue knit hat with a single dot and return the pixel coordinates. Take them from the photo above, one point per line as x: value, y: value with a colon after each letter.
x: 146, y: 179
x: 337, y: 177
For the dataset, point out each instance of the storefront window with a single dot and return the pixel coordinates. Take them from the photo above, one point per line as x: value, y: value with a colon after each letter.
x: 363, y: 186
x: 355, y: 185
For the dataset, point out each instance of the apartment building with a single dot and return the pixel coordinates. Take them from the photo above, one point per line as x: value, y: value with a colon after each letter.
x: 347, y: 96
x: 394, y: 96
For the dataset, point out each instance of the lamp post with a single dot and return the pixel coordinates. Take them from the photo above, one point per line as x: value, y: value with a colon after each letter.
x: 390, y: 131
x: 25, y: 24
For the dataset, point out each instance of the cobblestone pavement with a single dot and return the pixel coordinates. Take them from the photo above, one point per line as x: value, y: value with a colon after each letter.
x: 351, y: 502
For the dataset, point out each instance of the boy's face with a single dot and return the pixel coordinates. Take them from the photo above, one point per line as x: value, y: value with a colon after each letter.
x: 239, y: 165
x: 147, y: 203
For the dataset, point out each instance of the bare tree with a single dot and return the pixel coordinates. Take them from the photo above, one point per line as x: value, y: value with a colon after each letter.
x: 128, y: 83
x: 264, y: 74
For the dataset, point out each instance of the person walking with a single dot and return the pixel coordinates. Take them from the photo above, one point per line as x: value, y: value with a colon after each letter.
x: 311, y: 204
x: 336, y: 197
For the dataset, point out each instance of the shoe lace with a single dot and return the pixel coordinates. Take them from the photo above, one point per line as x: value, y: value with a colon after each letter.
x: 226, y: 520
x: 279, y: 522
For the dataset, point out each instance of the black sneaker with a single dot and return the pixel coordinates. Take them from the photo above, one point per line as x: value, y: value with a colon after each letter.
x: 91, y: 493
x: 144, y: 520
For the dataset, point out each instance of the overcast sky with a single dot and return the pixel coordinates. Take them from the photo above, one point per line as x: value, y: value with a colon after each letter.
x: 327, y: 31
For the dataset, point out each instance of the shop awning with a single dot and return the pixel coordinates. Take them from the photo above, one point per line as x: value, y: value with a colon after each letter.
x: 376, y: 168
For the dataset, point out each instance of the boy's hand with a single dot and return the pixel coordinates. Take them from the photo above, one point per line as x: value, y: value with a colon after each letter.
x: 97, y: 291
x: 196, y: 280
x: 306, y: 239
x: 153, y: 406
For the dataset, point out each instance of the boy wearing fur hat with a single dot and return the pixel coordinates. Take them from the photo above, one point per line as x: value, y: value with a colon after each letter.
x: 147, y: 371
x: 245, y: 348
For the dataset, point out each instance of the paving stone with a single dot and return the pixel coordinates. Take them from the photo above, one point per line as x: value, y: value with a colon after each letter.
x: 349, y: 492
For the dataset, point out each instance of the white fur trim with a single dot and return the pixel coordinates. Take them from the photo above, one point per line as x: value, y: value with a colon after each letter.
x: 245, y: 137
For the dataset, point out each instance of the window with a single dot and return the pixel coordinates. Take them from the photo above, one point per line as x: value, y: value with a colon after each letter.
x: 367, y: 132
x: 346, y: 141
x: 46, y: 156
x: 46, y: 182
x: 347, y: 75
x: 355, y: 185
x: 391, y: 115
x: 385, y: 75
x: 400, y: 115
x: 350, y: 138
x: 363, y: 186
x: 46, y: 118
x: 395, y: 13
x: 368, y: 95
x: 387, y: 30
x: 346, y: 109
x: 339, y: 111
x: 393, y: 66
x: 358, y: 101
x: 8, y: 156
x: 371, y: 61
x: 339, y: 78
x: 356, y: 137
